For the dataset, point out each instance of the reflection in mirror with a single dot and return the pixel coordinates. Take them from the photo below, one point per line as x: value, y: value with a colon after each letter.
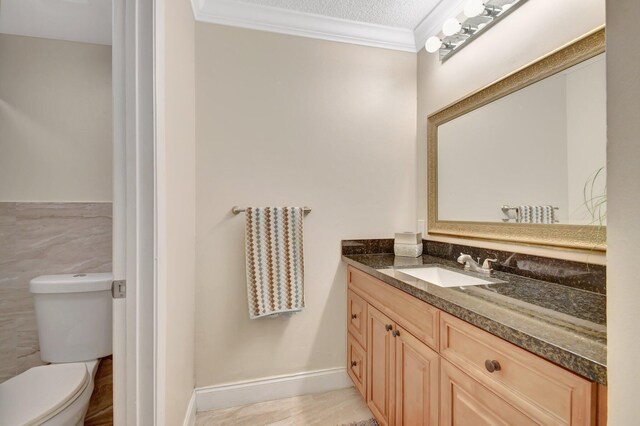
x: 536, y: 155
x: 522, y: 159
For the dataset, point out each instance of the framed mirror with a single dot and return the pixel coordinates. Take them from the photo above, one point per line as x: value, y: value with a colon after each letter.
x: 523, y: 160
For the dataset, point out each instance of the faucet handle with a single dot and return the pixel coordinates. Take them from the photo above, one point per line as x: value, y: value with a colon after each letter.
x: 487, y: 263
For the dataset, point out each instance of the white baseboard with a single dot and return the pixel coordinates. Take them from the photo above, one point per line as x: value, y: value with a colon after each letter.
x: 270, y: 388
x: 190, y: 416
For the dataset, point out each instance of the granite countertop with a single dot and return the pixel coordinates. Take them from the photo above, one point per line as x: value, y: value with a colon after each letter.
x: 564, y: 325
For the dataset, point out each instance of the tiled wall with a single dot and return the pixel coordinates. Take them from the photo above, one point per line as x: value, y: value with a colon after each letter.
x: 37, y: 239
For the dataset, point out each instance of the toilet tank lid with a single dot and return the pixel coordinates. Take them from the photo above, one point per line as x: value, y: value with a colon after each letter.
x: 71, y: 283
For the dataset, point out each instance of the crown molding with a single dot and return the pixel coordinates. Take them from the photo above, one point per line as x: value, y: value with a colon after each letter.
x: 284, y: 21
x: 257, y: 17
x: 432, y: 23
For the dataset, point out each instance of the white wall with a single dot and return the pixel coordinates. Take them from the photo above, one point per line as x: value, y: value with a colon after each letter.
x: 55, y: 120
x: 623, y: 232
x: 176, y: 199
x: 284, y: 120
x: 535, y: 29
x: 498, y: 154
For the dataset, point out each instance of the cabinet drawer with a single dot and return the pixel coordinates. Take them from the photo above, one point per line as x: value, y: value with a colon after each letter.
x: 465, y: 402
x: 357, y: 365
x: 357, y: 318
x: 417, y: 317
x: 545, y: 392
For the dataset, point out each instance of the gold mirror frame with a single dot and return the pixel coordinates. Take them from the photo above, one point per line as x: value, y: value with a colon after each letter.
x: 566, y: 236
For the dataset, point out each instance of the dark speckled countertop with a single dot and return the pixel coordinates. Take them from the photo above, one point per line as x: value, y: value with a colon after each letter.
x: 561, y: 324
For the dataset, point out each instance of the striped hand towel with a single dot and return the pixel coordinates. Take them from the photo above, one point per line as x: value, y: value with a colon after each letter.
x: 275, y: 261
x: 536, y: 214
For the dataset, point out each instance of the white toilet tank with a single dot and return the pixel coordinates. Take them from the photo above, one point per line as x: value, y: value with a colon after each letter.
x: 74, y: 316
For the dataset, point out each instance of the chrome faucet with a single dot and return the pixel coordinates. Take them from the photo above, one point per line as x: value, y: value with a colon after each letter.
x: 472, y: 265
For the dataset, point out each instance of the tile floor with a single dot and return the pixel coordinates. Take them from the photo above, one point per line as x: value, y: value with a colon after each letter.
x: 325, y: 409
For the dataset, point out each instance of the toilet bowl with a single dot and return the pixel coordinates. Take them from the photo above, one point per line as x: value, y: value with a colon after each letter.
x: 49, y: 395
x: 73, y: 314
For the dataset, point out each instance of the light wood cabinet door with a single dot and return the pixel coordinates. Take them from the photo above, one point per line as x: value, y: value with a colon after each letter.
x: 357, y: 318
x: 380, y: 366
x: 416, y: 381
x: 602, y: 406
x: 465, y: 402
x: 357, y: 365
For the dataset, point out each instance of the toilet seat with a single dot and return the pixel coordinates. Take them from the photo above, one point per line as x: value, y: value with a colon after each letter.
x: 40, y: 393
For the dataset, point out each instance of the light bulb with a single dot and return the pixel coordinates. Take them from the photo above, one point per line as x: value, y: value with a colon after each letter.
x: 433, y: 44
x: 451, y: 26
x: 474, y: 8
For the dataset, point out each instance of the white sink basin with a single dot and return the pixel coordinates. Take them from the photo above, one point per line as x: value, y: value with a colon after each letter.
x: 444, y: 277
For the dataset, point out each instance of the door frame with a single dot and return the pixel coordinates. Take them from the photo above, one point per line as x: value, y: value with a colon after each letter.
x: 138, y: 366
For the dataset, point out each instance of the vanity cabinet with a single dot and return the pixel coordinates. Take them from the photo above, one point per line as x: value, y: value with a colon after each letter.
x: 539, y: 390
x: 381, y: 363
x: 357, y: 363
x: 417, y: 365
x: 401, y: 369
x: 357, y: 341
x: 402, y: 375
x: 357, y: 318
x: 466, y: 402
x: 416, y: 381
x: 417, y: 317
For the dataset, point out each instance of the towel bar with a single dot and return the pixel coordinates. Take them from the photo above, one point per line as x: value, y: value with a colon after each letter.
x: 238, y: 210
x: 505, y: 208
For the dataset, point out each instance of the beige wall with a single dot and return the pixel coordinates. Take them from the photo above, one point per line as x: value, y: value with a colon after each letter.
x: 535, y: 29
x: 284, y: 120
x: 178, y: 189
x: 55, y: 116
x: 623, y: 180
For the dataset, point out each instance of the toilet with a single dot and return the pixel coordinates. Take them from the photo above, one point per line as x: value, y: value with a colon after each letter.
x: 73, y: 314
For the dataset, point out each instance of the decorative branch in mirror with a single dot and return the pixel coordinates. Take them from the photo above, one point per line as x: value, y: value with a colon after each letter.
x: 522, y: 160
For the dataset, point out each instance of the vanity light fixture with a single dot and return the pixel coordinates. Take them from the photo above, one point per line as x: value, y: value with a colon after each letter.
x: 474, y: 8
x: 433, y: 44
x: 451, y: 26
x: 477, y: 17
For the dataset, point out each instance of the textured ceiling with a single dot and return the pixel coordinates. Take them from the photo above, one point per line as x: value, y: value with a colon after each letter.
x: 393, y: 13
x: 86, y: 21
